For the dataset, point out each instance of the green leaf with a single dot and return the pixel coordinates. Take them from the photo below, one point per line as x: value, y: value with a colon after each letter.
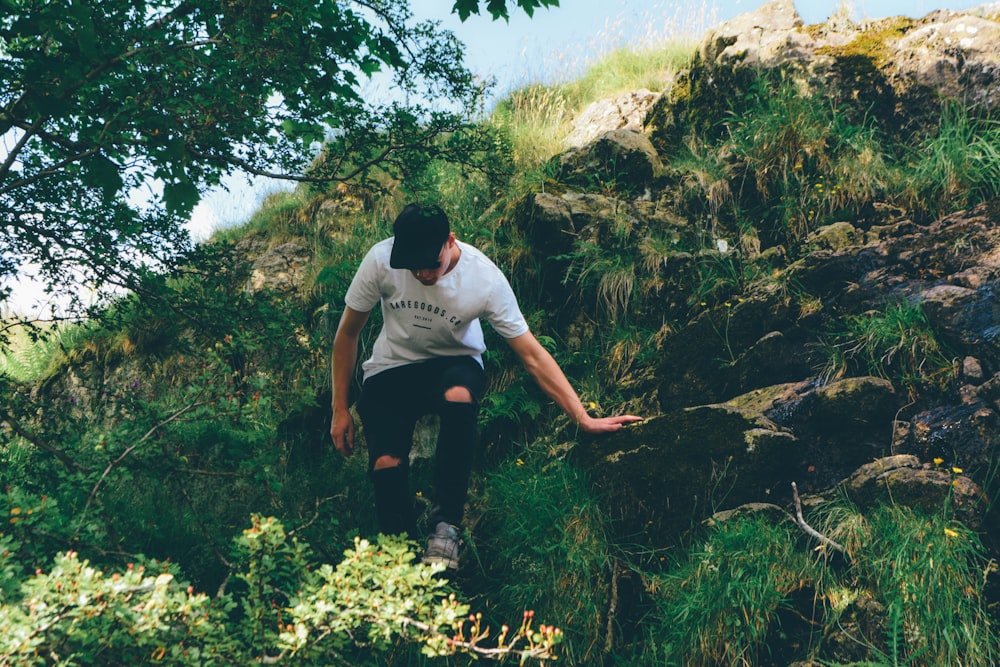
x: 498, y: 9
x: 102, y: 173
x: 180, y: 198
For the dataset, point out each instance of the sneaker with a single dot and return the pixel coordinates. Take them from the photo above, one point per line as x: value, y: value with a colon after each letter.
x: 442, y: 546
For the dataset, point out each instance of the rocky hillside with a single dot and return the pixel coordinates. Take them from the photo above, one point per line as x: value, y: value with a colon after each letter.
x: 750, y: 398
x: 757, y: 259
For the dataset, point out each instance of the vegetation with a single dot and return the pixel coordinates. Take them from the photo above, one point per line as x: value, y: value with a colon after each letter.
x: 136, y: 449
x: 284, y: 609
x: 117, y: 116
x: 896, y: 343
x: 732, y: 596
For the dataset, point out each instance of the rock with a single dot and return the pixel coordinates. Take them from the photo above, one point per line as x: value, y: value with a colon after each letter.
x: 621, y: 161
x: 964, y: 435
x: 903, y: 480
x: 957, y: 55
x: 838, y: 426
x: 972, y: 370
x: 774, y: 512
x: 716, y: 356
x: 626, y: 111
x: 281, y: 269
x: 836, y: 236
x: 763, y: 38
x: 661, y: 475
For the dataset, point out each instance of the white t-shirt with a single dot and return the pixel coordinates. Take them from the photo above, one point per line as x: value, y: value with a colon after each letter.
x: 422, y: 322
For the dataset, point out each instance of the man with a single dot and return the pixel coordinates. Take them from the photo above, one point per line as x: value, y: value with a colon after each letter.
x: 433, y: 291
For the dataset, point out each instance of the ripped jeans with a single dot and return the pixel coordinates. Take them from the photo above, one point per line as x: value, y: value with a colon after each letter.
x: 390, y: 405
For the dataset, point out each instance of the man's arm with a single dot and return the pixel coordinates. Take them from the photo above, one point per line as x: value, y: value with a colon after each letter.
x: 540, y: 364
x: 345, y: 356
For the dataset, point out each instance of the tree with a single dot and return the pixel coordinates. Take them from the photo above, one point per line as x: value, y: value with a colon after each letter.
x: 116, y: 115
x: 498, y: 8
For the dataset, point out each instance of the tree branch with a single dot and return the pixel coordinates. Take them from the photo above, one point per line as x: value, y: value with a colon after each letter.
x: 116, y: 462
x: 809, y: 530
x: 19, y: 430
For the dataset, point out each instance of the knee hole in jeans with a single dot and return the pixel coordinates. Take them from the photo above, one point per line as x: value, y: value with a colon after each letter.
x: 387, y: 461
x: 458, y: 394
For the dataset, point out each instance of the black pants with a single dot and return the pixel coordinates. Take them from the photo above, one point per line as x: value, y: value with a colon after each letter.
x: 390, y: 404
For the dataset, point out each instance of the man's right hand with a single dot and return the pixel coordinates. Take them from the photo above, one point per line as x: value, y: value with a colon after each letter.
x: 342, y: 431
x: 345, y: 351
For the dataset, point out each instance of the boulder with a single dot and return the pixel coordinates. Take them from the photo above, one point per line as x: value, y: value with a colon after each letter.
x: 902, y: 479
x: 627, y: 111
x: 766, y: 37
x: 281, y: 269
x: 622, y: 161
x: 662, y: 475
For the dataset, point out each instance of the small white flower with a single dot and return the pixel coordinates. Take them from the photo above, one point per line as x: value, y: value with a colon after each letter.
x: 722, y: 245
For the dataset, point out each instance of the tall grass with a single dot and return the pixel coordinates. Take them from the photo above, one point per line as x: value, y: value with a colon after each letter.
x: 801, y: 155
x: 549, y: 547
x: 718, y: 605
x: 929, y: 572
x: 896, y: 343
x: 957, y: 167
x: 722, y: 601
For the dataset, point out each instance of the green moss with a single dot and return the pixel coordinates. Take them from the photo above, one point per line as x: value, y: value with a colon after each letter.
x: 870, y: 50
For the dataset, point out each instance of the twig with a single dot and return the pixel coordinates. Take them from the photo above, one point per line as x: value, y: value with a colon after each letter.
x: 809, y: 530
x: 315, y: 516
x: 116, y: 462
x: 609, y: 641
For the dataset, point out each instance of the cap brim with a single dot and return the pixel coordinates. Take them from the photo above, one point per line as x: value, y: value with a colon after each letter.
x: 415, y: 258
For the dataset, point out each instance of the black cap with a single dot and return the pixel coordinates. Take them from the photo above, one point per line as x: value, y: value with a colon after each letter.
x: 420, y: 231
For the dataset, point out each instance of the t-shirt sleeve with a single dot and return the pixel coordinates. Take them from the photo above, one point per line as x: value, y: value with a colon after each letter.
x: 502, y: 310
x: 364, y: 291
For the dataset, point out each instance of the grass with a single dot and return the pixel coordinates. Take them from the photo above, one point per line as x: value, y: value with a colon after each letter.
x: 929, y: 572
x: 718, y: 605
x: 724, y: 600
x: 957, y: 167
x: 549, y: 549
x: 896, y: 343
x: 801, y: 154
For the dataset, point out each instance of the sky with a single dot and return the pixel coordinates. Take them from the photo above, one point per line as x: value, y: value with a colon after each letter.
x: 555, y: 44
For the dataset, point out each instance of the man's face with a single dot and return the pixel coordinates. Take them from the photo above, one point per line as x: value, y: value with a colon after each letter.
x: 431, y: 276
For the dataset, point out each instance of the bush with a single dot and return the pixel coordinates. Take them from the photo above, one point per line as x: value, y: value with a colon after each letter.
x: 281, y: 608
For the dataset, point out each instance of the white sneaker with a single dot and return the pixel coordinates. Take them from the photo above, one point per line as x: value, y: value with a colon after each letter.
x: 442, y: 546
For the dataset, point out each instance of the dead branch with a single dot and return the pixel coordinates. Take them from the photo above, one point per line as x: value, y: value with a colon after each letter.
x: 809, y: 530
x: 116, y: 462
